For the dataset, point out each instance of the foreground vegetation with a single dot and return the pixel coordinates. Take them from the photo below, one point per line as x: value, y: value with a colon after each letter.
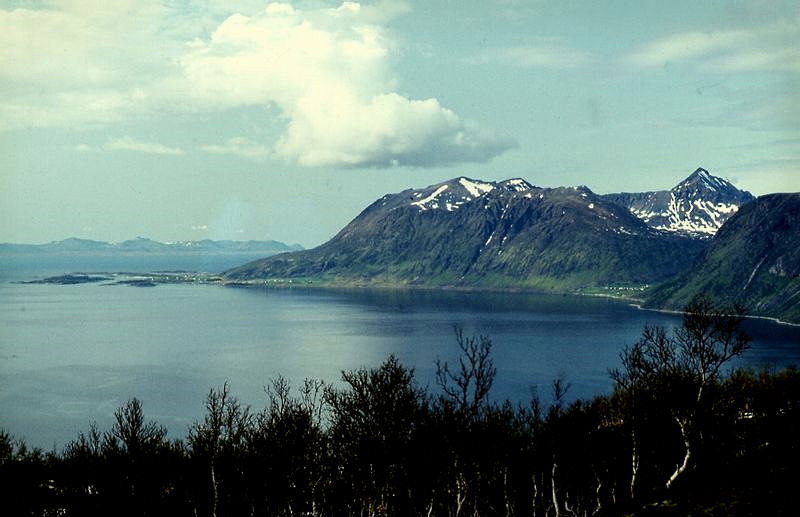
x: 678, y: 436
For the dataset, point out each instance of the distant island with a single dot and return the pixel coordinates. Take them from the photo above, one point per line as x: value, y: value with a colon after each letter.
x: 144, y: 245
x: 140, y: 262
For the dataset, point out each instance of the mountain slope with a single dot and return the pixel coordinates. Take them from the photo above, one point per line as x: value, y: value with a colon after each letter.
x: 471, y: 233
x: 753, y: 260
x: 697, y: 207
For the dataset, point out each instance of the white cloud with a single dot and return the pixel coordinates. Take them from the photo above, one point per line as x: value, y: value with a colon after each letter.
x: 71, y: 63
x: 239, y: 146
x: 385, y: 130
x: 551, y: 55
x: 765, y: 48
x: 686, y: 45
x: 328, y: 70
x: 129, y: 144
x: 761, y: 59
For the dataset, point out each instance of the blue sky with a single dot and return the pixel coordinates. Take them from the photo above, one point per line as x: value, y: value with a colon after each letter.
x: 179, y: 120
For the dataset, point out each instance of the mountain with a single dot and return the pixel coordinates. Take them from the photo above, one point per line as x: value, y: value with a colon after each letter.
x: 754, y: 260
x: 697, y: 207
x: 464, y: 232
x: 75, y: 245
x: 143, y: 245
x: 241, y: 246
x: 71, y: 245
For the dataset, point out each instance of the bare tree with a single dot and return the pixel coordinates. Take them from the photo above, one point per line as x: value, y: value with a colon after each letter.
x: 677, y: 369
x: 132, y: 432
x: 468, y: 387
x: 222, y: 430
x: 465, y: 393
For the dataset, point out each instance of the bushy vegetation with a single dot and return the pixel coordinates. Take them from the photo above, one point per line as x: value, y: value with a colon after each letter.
x: 679, y: 435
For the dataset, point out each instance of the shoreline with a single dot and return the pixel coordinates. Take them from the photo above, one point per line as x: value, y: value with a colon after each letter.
x: 407, y: 287
x: 205, y: 278
x: 634, y: 302
x: 746, y: 316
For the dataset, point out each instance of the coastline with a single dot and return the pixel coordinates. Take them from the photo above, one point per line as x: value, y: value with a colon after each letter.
x: 418, y: 287
x: 203, y: 278
x: 637, y: 303
x: 747, y: 316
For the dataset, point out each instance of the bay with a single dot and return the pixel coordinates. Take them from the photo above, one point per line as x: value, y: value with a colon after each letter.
x: 71, y: 354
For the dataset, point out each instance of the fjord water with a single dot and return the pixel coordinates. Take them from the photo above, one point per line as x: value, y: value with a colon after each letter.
x: 72, y: 354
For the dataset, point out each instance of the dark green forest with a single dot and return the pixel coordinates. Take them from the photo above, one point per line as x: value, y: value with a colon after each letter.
x: 680, y: 434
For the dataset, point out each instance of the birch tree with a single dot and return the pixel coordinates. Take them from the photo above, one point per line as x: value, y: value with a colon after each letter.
x: 676, y: 370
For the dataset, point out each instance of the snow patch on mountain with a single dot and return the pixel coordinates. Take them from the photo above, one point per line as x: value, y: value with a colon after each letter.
x: 453, y: 194
x: 698, y: 206
x: 431, y: 201
x: 475, y: 188
x: 517, y: 185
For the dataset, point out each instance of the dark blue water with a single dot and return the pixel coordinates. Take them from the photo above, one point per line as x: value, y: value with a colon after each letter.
x: 71, y: 354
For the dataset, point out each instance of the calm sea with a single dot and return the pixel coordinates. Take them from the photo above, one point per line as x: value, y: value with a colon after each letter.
x: 71, y: 354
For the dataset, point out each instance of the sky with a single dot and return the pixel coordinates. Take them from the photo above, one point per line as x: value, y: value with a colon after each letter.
x: 242, y: 119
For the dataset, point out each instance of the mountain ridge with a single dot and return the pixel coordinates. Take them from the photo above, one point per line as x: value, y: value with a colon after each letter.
x: 466, y: 232
x: 696, y: 207
x: 145, y: 245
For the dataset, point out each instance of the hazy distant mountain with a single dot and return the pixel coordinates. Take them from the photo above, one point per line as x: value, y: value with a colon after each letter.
x: 142, y: 245
x: 698, y: 206
x: 71, y: 244
x: 754, y: 259
x: 465, y: 232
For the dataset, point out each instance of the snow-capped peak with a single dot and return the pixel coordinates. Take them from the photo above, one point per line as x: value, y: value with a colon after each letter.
x: 454, y: 193
x: 697, y: 206
x: 475, y: 188
x: 516, y: 185
x: 702, y: 179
